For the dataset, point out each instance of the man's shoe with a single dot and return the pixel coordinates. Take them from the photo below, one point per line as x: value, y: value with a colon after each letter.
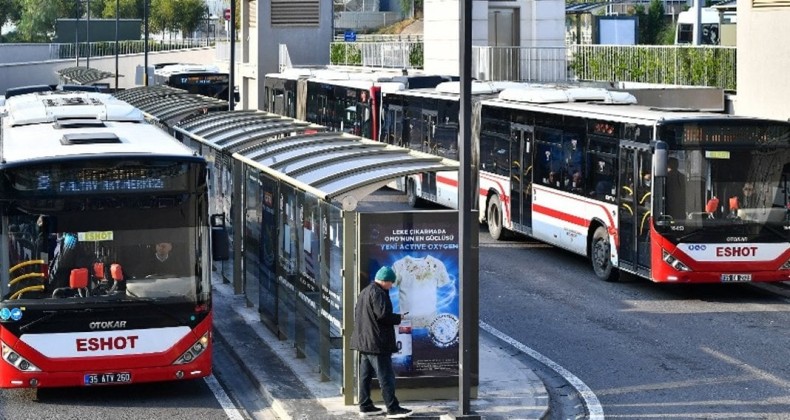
x: 398, y: 413
x: 370, y: 411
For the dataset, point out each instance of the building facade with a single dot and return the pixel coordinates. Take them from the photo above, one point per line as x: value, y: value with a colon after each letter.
x: 763, y: 58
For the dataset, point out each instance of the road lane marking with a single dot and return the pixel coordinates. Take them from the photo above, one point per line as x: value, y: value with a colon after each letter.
x: 223, y: 399
x: 590, y: 400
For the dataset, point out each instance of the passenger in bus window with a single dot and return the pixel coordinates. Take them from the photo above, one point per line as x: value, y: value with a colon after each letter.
x: 576, y: 182
x: 553, y: 179
x: 747, y: 199
x: 66, y: 256
x: 644, y: 190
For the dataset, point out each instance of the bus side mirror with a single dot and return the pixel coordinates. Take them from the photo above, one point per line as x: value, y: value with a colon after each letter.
x: 220, y: 242
x: 660, y: 159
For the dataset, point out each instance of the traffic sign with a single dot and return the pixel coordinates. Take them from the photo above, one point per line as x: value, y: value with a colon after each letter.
x: 349, y: 36
x: 227, y: 14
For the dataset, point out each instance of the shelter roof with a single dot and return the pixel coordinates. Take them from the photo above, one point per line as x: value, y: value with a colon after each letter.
x: 83, y: 75
x: 333, y: 166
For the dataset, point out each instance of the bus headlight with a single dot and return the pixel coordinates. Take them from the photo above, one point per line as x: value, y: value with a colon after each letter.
x: 673, y: 262
x: 194, y: 351
x: 14, y: 359
x: 785, y: 266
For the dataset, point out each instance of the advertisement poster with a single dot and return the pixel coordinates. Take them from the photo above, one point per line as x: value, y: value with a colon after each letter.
x: 422, y: 249
x: 268, y: 281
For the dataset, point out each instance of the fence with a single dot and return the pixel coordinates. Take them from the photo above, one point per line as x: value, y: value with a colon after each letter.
x: 403, y: 54
x: 677, y: 65
x: 547, y: 64
x: 105, y: 48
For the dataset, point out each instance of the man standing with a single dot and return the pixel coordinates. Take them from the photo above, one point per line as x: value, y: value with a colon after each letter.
x: 374, y: 338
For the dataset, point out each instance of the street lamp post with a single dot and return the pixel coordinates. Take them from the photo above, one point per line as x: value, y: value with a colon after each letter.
x: 117, y: 19
x: 145, y: 47
x: 88, y: 36
x: 77, y: 34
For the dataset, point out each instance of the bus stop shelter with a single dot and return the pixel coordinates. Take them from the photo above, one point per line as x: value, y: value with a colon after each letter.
x: 166, y: 105
x: 291, y: 190
x: 82, y: 75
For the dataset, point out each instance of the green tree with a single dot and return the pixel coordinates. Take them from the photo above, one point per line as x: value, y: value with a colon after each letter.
x: 651, y: 22
x: 37, y: 21
x: 128, y: 9
x: 10, y: 11
x: 191, y: 14
x: 162, y: 15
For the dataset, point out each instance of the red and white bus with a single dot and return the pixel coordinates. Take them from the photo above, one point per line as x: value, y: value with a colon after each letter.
x: 659, y: 193
x: 87, y: 191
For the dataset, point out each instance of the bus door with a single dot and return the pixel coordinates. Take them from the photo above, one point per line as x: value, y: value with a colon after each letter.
x: 429, y: 121
x: 521, y: 177
x: 635, y: 199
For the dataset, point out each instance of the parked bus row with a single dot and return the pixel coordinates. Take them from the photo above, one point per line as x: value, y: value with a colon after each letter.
x: 669, y: 194
x: 105, y: 246
x: 345, y: 101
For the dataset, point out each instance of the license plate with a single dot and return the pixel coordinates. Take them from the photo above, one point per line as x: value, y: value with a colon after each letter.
x: 735, y: 278
x: 108, y: 378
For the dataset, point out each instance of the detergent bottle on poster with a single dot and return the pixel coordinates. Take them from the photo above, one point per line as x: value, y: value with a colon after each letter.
x: 402, y: 360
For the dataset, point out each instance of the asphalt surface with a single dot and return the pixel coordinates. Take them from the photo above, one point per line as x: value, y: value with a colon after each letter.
x: 509, y: 389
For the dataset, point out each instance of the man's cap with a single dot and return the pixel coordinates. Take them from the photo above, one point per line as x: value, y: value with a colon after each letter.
x: 385, y: 274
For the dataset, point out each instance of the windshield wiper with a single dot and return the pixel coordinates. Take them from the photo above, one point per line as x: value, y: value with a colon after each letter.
x: 47, y: 315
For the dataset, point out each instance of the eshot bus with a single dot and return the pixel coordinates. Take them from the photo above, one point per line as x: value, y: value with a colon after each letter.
x: 194, y: 78
x: 426, y: 120
x: 671, y: 196
x: 87, y: 190
x: 345, y: 101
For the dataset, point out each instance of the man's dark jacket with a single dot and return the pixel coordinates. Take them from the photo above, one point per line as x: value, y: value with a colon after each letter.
x: 374, y: 322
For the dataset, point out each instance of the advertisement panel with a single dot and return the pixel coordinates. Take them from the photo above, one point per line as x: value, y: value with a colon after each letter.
x: 422, y: 249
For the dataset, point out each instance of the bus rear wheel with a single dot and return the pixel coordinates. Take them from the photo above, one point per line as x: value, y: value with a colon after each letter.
x: 494, y: 218
x: 600, y: 255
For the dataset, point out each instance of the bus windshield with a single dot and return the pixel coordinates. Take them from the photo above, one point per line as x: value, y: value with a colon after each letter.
x: 743, y: 188
x: 96, y: 249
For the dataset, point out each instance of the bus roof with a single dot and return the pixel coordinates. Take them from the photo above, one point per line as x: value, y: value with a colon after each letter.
x: 171, y: 69
x: 620, y: 112
x: 51, y: 125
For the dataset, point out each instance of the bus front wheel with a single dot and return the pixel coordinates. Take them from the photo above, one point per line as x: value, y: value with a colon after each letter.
x: 494, y: 218
x: 600, y: 255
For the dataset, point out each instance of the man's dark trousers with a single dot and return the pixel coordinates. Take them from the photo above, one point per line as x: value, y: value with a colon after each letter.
x: 382, y: 365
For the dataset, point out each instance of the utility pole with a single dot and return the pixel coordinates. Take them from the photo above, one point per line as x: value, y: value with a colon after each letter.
x: 88, y: 36
x: 117, y: 18
x: 145, y: 47
x: 77, y: 34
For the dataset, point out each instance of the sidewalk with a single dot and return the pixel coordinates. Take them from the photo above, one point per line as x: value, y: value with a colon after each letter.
x: 508, y: 388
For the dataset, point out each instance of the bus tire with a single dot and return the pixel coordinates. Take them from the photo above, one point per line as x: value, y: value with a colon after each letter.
x: 494, y: 218
x: 411, y: 194
x: 600, y: 255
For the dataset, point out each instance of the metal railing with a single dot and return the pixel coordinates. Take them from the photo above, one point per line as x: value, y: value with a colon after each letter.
x: 546, y: 64
x: 403, y: 54
x: 105, y: 48
x: 678, y: 65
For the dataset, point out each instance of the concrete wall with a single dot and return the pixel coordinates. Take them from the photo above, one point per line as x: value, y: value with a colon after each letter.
x: 763, y: 61
x: 542, y: 24
x: 44, y: 72
x: 17, y: 53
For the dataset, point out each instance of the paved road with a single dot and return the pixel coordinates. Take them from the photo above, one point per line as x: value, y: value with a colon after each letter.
x: 646, y: 350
